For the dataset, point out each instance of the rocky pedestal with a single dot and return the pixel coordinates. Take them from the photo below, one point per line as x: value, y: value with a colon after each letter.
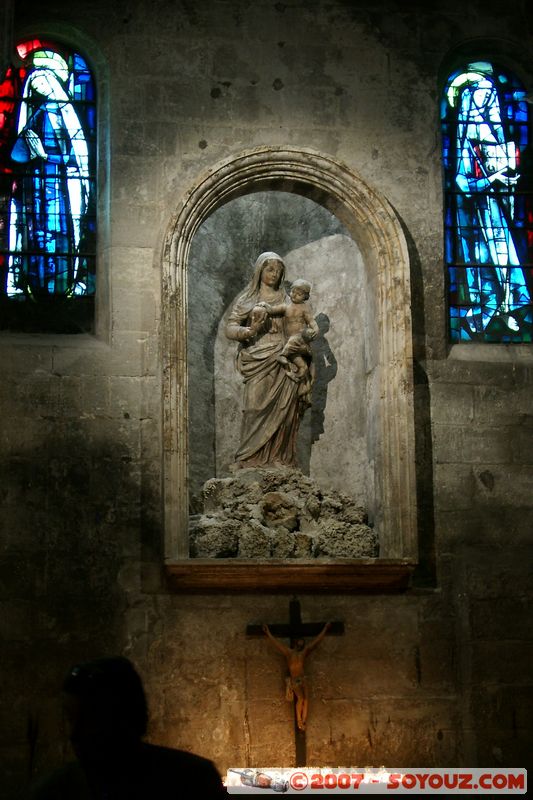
x: 278, y: 513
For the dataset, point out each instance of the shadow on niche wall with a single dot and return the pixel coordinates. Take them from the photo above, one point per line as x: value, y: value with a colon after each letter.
x: 325, y: 363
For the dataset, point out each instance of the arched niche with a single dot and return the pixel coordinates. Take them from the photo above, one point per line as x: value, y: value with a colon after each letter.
x: 376, y: 229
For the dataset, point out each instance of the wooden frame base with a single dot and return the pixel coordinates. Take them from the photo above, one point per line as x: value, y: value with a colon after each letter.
x: 361, y: 576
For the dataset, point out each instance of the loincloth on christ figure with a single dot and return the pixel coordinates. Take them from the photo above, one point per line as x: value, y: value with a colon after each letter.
x: 293, y: 684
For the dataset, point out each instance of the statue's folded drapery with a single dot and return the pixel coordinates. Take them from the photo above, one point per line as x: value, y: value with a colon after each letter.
x: 270, y: 407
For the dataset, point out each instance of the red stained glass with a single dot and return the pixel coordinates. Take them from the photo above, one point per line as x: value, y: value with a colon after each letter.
x: 26, y: 47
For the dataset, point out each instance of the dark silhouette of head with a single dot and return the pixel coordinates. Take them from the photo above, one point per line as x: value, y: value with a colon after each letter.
x: 105, y: 707
x: 323, y: 322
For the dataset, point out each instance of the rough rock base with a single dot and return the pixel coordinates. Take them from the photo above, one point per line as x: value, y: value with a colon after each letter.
x: 278, y: 513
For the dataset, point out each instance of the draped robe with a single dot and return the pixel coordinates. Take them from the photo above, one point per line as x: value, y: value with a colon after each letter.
x: 272, y: 407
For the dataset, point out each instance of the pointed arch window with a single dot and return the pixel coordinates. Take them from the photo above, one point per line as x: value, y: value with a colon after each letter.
x: 488, y: 173
x: 47, y: 190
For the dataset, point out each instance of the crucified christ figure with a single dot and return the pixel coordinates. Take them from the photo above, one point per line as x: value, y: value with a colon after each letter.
x: 296, y: 682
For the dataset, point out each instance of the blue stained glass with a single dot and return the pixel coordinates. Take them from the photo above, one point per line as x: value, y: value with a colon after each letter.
x: 80, y: 65
x: 47, y: 207
x: 488, y: 205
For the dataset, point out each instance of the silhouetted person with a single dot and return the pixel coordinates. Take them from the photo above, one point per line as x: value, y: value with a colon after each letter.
x: 106, y: 713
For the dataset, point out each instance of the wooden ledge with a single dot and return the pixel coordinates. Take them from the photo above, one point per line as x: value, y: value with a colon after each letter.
x: 362, y: 576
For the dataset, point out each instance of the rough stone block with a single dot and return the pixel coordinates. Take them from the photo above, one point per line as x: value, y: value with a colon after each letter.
x: 125, y: 397
x: 456, y: 487
x: 501, y: 405
x: 276, y: 499
x: 278, y: 510
x: 503, y: 708
x: 255, y: 541
x: 342, y: 540
x: 503, y: 485
x: 94, y: 396
x: 211, y: 539
x: 506, y: 620
x: 303, y: 545
x: 502, y: 662
x: 467, y: 445
x: 508, y: 576
x: 132, y: 267
x: 283, y: 543
x: 435, y: 663
x: 452, y: 404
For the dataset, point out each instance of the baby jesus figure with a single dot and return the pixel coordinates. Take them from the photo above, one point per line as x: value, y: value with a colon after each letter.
x: 300, y: 326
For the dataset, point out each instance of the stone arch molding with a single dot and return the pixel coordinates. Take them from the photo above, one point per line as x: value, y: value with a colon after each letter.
x: 377, y: 231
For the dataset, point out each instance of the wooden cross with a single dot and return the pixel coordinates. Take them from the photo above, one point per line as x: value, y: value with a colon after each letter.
x: 296, y: 631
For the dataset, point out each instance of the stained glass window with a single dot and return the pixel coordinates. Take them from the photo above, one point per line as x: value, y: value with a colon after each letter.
x: 47, y: 190
x: 488, y: 172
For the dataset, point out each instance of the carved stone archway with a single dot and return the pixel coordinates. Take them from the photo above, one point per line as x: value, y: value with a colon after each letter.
x: 377, y: 230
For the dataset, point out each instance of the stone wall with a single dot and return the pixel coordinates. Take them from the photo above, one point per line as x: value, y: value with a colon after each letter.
x: 436, y: 677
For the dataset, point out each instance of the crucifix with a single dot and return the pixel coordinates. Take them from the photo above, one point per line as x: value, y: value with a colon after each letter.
x: 296, y: 654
